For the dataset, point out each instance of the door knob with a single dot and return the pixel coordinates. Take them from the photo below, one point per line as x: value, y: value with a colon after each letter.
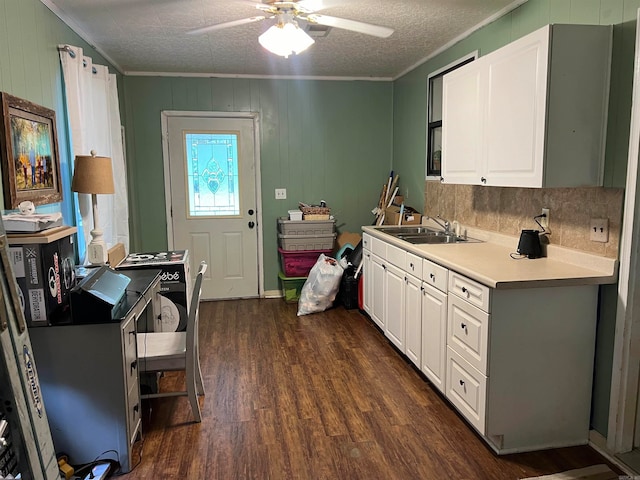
x: 251, y: 224
x: 250, y: 212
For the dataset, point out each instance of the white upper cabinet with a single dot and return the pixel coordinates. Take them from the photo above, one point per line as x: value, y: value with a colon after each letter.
x: 531, y: 114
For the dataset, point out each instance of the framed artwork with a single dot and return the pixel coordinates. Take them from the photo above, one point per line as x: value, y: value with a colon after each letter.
x: 29, y: 153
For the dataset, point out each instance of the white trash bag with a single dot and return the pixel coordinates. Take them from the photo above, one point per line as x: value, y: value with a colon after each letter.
x: 321, y: 287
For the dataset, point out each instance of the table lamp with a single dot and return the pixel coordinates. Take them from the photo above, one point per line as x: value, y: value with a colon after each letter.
x: 94, y: 175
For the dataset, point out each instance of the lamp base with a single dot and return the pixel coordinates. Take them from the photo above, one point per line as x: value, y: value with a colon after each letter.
x: 97, y: 253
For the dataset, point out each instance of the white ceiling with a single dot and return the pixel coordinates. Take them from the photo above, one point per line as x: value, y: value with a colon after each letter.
x: 149, y: 36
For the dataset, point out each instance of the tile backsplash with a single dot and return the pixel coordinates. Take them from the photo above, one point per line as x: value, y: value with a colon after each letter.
x: 510, y: 210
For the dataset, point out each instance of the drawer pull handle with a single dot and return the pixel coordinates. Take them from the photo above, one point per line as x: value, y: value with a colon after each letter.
x: 412, y: 267
x: 134, y: 365
x: 483, y: 180
x: 136, y: 407
x: 432, y: 277
x: 461, y: 383
x: 463, y: 326
x: 384, y: 266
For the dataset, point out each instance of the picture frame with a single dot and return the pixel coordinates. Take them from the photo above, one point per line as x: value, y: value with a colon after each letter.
x: 28, y: 153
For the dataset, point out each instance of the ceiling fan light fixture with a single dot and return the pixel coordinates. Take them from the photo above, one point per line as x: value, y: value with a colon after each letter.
x: 285, y: 38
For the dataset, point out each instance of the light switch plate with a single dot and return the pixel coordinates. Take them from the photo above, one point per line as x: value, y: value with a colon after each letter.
x: 281, y: 193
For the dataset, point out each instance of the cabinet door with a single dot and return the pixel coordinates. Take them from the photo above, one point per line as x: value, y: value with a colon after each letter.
x: 394, y: 312
x: 413, y: 319
x: 516, y: 101
x: 367, y: 278
x: 377, y: 290
x: 462, y: 124
x: 434, y: 335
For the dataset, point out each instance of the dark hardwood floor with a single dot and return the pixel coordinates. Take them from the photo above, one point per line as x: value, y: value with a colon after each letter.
x: 322, y: 396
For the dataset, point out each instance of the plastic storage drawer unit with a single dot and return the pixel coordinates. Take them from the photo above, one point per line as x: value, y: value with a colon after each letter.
x: 305, y: 227
x: 306, y: 242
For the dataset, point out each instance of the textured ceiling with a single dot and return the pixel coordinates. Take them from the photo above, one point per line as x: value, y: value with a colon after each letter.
x: 150, y: 35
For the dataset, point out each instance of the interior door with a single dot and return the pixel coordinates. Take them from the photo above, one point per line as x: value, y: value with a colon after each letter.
x: 213, y: 200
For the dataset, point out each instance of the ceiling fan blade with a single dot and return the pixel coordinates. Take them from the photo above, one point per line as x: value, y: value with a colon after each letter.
x: 361, y: 27
x: 220, y: 26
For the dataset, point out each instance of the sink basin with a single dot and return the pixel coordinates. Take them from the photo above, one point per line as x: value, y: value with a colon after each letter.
x: 408, y: 230
x: 424, y: 235
x: 432, y: 238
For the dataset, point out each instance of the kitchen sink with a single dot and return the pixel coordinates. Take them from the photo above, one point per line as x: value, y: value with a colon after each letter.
x: 425, y: 235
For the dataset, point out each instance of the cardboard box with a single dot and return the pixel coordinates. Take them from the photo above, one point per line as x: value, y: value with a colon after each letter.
x: 175, y: 284
x: 392, y: 217
x: 45, y: 275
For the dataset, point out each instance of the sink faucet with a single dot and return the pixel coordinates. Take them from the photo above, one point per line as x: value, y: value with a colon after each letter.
x: 443, y: 223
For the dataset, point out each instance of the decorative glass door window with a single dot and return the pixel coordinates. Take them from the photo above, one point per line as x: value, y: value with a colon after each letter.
x: 212, y: 174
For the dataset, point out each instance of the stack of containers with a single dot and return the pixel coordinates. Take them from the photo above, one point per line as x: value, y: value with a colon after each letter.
x: 300, y: 243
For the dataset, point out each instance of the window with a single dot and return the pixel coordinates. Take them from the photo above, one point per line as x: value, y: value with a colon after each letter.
x: 212, y: 174
x: 434, y: 114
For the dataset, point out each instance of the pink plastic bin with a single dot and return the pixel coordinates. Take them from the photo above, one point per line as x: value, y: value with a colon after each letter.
x: 298, y: 263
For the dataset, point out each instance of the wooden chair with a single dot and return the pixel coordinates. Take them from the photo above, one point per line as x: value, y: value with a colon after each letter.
x: 175, y: 351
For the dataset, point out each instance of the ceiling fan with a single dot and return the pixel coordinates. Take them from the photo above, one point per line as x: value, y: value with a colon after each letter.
x: 285, y: 36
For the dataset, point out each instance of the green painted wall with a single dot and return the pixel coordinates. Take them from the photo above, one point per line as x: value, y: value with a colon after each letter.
x: 321, y: 140
x: 409, y: 116
x: 30, y: 69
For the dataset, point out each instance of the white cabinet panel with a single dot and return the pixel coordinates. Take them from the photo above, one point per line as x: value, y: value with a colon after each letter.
x: 434, y: 335
x: 463, y: 116
x: 435, y: 275
x: 473, y: 292
x: 468, y: 332
x: 394, y: 312
x: 413, y: 319
x: 377, y: 290
x: 467, y: 390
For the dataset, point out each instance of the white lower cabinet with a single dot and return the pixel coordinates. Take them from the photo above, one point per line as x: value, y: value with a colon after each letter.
x: 413, y: 319
x: 516, y: 363
x: 376, y: 278
x: 434, y: 334
x: 394, y: 311
x: 520, y: 362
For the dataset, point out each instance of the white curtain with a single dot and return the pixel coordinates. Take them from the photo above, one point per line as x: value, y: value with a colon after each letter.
x: 94, y: 122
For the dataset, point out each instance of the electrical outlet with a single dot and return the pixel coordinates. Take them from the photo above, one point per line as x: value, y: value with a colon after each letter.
x: 281, y: 193
x: 544, y: 221
x: 599, y: 231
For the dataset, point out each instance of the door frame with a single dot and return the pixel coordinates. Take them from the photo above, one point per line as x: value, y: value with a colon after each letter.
x: 164, y: 119
x: 624, y: 382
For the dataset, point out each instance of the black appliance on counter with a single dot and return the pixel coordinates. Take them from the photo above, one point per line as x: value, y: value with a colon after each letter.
x: 529, y: 244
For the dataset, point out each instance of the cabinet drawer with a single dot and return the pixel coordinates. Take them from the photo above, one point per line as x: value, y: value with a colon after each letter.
x: 471, y: 291
x: 133, y: 414
x: 366, y: 241
x: 130, y: 356
x: 467, y: 390
x: 413, y: 264
x: 468, y: 332
x: 435, y: 275
x: 379, y: 247
x: 396, y: 256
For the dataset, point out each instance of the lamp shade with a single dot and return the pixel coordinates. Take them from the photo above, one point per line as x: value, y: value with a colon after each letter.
x: 92, y: 174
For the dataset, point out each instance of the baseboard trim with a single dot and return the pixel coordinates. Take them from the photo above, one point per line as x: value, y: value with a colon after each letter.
x: 272, y: 294
x: 599, y: 443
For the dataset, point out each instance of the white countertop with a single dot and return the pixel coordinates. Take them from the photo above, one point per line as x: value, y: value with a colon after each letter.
x: 489, y: 262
